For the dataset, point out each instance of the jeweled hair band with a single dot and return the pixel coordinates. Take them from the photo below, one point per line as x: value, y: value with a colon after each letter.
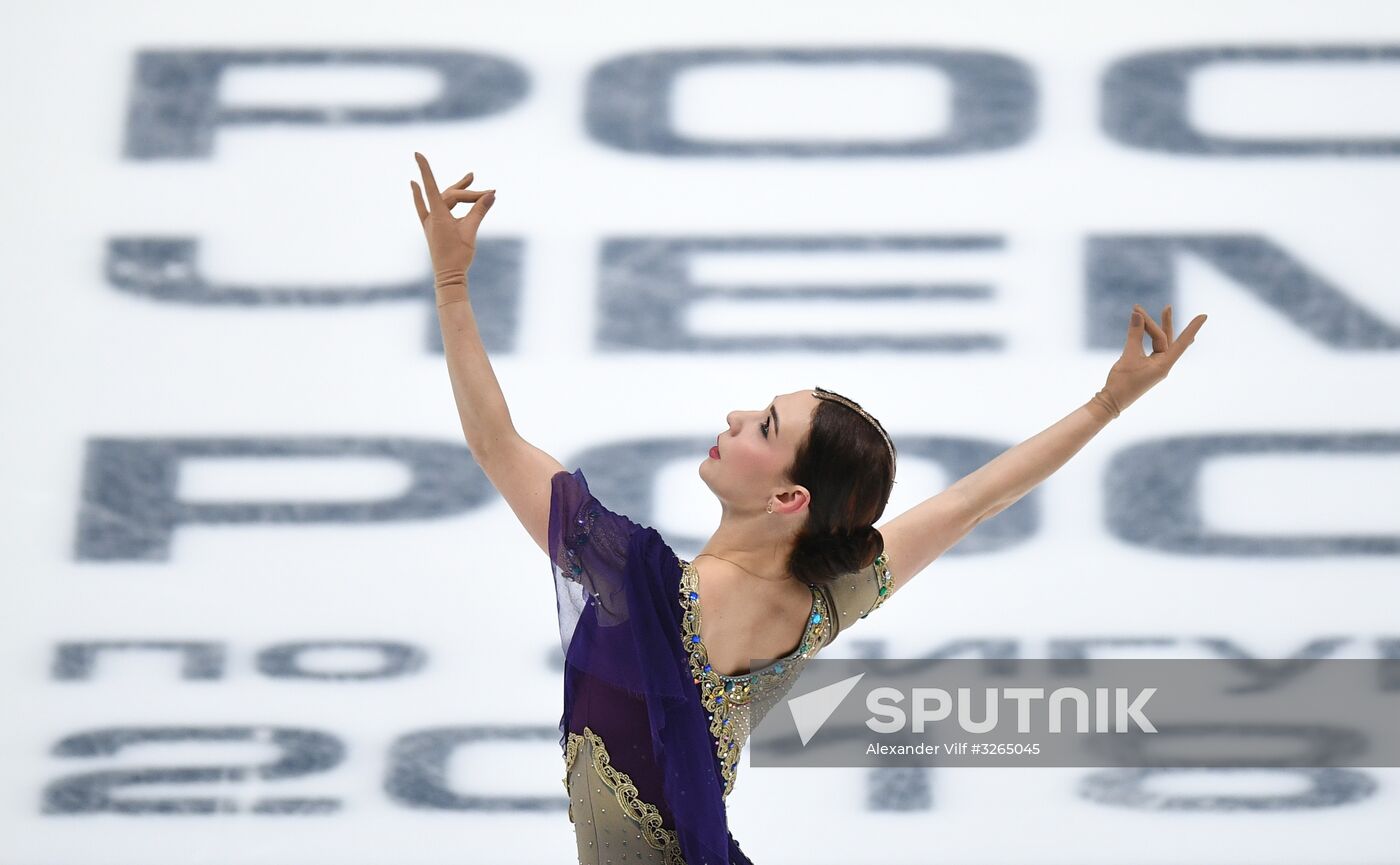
x: 823, y: 393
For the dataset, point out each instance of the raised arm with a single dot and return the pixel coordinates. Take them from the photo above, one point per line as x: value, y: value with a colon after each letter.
x: 923, y: 533
x: 518, y: 470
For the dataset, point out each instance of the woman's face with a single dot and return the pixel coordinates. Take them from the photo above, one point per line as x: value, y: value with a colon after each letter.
x: 755, y: 452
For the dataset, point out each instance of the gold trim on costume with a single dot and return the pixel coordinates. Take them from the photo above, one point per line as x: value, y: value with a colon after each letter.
x: 712, y: 684
x: 884, y: 582
x: 570, y: 754
x: 633, y: 805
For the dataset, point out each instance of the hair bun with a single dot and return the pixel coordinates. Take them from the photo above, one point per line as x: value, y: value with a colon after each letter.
x: 838, y: 551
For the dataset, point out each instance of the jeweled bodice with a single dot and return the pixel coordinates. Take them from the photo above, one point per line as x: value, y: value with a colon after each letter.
x: 736, y: 704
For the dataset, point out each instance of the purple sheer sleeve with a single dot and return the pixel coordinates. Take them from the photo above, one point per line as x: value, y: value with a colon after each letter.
x: 588, y: 545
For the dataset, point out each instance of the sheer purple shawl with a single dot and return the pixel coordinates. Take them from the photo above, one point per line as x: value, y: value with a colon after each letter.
x: 626, y: 673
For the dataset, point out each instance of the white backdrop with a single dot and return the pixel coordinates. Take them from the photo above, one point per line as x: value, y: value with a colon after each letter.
x: 234, y: 470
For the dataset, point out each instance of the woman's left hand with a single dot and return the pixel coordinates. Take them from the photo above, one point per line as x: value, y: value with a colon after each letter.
x: 1134, y: 373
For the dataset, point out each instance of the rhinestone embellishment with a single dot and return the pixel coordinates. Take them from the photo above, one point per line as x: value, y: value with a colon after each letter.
x: 721, y: 695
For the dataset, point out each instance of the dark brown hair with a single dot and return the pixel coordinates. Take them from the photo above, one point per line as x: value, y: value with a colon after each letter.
x: 846, y: 466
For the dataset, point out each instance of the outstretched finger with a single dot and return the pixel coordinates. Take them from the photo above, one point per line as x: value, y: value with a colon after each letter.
x: 418, y: 202
x: 1133, y: 346
x: 1167, y: 322
x: 464, y: 182
x: 1188, y: 335
x: 454, y: 197
x: 429, y: 184
x: 1159, y: 338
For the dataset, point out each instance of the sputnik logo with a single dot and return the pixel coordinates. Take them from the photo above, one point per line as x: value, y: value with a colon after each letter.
x: 811, y: 710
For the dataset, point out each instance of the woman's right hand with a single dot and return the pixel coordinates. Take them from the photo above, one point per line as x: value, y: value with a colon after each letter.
x: 451, y: 241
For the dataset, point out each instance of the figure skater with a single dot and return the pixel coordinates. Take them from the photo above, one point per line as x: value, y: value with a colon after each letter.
x: 659, y: 694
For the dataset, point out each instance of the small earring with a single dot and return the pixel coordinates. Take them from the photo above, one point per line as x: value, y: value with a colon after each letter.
x: 770, y: 507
